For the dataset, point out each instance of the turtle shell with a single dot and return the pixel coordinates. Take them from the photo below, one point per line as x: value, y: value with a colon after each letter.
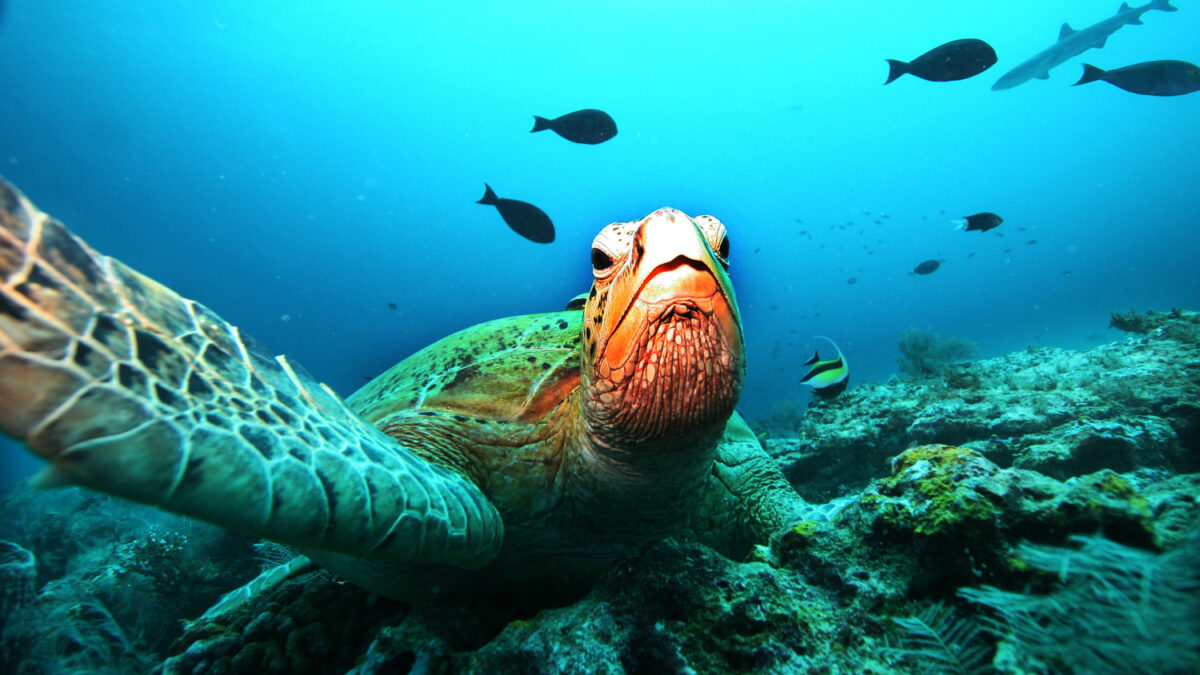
x: 515, y: 369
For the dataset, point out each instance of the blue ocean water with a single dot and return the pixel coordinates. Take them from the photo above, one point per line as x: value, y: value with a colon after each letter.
x: 297, y: 167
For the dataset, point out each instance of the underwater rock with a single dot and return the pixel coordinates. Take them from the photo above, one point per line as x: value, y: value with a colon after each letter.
x: 954, y: 517
x: 1085, y: 446
x: 1144, y: 322
x: 1043, y: 433
x: 820, y: 597
x: 18, y: 570
x: 671, y: 607
x: 1123, y: 405
x: 113, y: 579
x: 70, y: 630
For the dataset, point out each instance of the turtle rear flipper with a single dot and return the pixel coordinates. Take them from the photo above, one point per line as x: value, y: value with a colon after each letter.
x: 127, y: 388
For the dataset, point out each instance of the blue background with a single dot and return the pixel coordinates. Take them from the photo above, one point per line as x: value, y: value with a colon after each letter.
x: 297, y: 165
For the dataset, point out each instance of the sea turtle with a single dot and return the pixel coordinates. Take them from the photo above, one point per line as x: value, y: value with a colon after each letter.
x: 518, y: 455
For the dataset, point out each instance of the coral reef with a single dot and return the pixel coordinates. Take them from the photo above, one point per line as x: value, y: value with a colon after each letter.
x: 1126, y: 405
x: 987, y: 515
x: 18, y: 570
x: 820, y: 600
x: 112, y: 580
x: 1118, y: 631
x: 1145, y: 322
x: 924, y: 352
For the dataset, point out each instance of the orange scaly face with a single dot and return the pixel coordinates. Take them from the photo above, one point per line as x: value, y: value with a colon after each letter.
x: 663, y: 356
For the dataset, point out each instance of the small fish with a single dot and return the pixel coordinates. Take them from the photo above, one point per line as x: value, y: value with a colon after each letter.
x: 588, y: 127
x: 980, y: 222
x: 852, y: 281
x: 392, y: 306
x: 827, y: 378
x: 971, y: 254
x: 927, y: 267
x: 1152, y: 78
x: 525, y: 219
x: 955, y: 60
x: 1031, y: 242
x: 757, y: 250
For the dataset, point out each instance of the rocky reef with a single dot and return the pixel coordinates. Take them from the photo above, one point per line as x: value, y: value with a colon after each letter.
x: 979, y: 507
x: 1127, y: 405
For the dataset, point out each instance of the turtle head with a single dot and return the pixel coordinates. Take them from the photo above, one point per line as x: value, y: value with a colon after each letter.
x: 662, y: 351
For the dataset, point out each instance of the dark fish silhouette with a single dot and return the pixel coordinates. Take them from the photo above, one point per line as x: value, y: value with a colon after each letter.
x: 955, y: 60
x: 980, y: 222
x: 524, y: 218
x: 1152, y: 78
x: 582, y: 126
x: 392, y: 305
x: 927, y: 267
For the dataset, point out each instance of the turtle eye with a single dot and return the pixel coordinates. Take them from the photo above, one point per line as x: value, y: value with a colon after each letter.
x: 723, y: 251
x: 601, y: 261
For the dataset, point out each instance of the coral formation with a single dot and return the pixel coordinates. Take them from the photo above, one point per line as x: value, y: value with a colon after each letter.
x: 18, y: 569
x: 939, y: 639
x: 113, y: 579
x: 1126, y: 405
x: 924, y: 352
x: 1117, y: 631
x: 944, y: 552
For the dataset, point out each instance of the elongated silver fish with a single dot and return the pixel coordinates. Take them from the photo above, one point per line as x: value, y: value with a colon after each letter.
x: 1072, y: 43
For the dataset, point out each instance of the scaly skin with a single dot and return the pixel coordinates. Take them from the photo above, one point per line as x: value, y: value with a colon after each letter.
x: 127, y: 388
x: 550, y: 442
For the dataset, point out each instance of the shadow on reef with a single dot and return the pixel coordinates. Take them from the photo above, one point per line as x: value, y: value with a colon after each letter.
x: 1070, y: 472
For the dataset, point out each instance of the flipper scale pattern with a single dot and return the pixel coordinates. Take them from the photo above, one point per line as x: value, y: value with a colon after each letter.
x: 128, y: 388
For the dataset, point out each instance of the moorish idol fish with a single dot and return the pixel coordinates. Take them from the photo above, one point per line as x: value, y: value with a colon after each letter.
x: 827, y: 378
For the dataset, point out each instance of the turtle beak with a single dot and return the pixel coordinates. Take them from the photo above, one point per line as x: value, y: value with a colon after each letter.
x: 674, y: 270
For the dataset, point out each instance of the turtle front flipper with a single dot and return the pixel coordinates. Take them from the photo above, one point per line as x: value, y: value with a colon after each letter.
x: 127, y: 388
